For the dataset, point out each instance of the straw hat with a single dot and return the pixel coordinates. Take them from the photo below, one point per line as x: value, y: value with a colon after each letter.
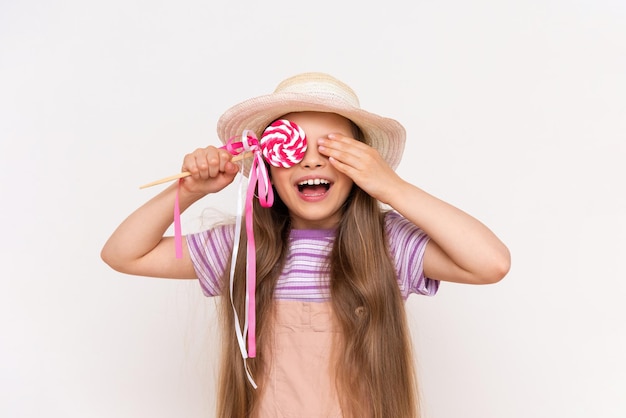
x: 316, y: 92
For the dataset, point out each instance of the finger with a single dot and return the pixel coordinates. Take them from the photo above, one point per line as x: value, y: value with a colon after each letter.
x: 225, y: 164
x: 217, y: 162
x: 343, y: 168
x: 344, y: 149
x: 190, y: 164
x: 203, y: 164
x: 347, y: 141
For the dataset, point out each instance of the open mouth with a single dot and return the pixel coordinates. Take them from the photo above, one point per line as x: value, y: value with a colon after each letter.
x: 314, y: 187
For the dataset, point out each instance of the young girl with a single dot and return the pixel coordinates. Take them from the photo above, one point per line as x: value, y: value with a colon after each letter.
x: 333, y: 268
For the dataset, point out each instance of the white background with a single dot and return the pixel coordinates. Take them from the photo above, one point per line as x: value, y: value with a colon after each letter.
x: 515, y: 112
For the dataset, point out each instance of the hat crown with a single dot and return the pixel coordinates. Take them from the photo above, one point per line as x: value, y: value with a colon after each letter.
x: 319, y: 85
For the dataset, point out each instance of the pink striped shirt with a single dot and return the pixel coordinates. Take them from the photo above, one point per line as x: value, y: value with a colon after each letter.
x: 305, y: 276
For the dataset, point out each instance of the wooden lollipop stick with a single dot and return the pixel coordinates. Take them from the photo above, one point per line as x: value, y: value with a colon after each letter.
x: 166, y: 179
x: 187, y: 173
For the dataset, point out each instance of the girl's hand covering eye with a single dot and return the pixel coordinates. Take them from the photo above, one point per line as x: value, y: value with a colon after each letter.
x: 362, y: 163
x: 283, y: 144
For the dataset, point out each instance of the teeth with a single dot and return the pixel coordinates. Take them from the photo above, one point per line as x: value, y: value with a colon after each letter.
x: 313, y: 182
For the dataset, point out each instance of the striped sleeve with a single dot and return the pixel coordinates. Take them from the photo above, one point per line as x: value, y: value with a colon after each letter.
x: 407, y: 244
x: 210, y: 253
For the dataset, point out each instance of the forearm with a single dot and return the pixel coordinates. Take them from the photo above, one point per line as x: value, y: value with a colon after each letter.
x: 138, y: 245
x: 477, y: 252
x: 461, y: 248
x: 143, y: 230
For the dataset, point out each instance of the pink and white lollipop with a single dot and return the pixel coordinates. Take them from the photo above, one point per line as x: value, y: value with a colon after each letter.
x: 283, y: 144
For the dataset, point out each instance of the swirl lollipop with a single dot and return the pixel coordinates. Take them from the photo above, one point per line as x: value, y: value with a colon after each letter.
x: 283, y: 144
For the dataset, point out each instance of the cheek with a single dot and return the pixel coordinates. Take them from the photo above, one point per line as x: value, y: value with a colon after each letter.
x: 280, y: 180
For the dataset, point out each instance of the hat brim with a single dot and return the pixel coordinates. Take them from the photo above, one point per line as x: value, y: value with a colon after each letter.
x: 386, y: 135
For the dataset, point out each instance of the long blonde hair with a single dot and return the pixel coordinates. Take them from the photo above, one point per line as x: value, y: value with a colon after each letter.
x: 376, y: 376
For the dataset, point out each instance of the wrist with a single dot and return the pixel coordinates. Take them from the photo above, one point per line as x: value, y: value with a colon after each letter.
x: 186, y: 198
x: 393, y: 192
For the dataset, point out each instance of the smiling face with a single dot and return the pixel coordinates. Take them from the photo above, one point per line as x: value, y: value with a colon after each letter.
x: 313, y: 190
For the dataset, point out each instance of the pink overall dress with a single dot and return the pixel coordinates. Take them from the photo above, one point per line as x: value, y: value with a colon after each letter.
x: 301, y: 381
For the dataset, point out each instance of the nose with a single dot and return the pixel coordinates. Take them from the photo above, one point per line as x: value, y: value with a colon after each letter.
x: 312, y: 157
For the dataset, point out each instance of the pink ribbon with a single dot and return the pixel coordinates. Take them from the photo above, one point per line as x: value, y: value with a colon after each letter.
x: 259, y: 181
x: 178, y: 236
x: 287, y: 149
